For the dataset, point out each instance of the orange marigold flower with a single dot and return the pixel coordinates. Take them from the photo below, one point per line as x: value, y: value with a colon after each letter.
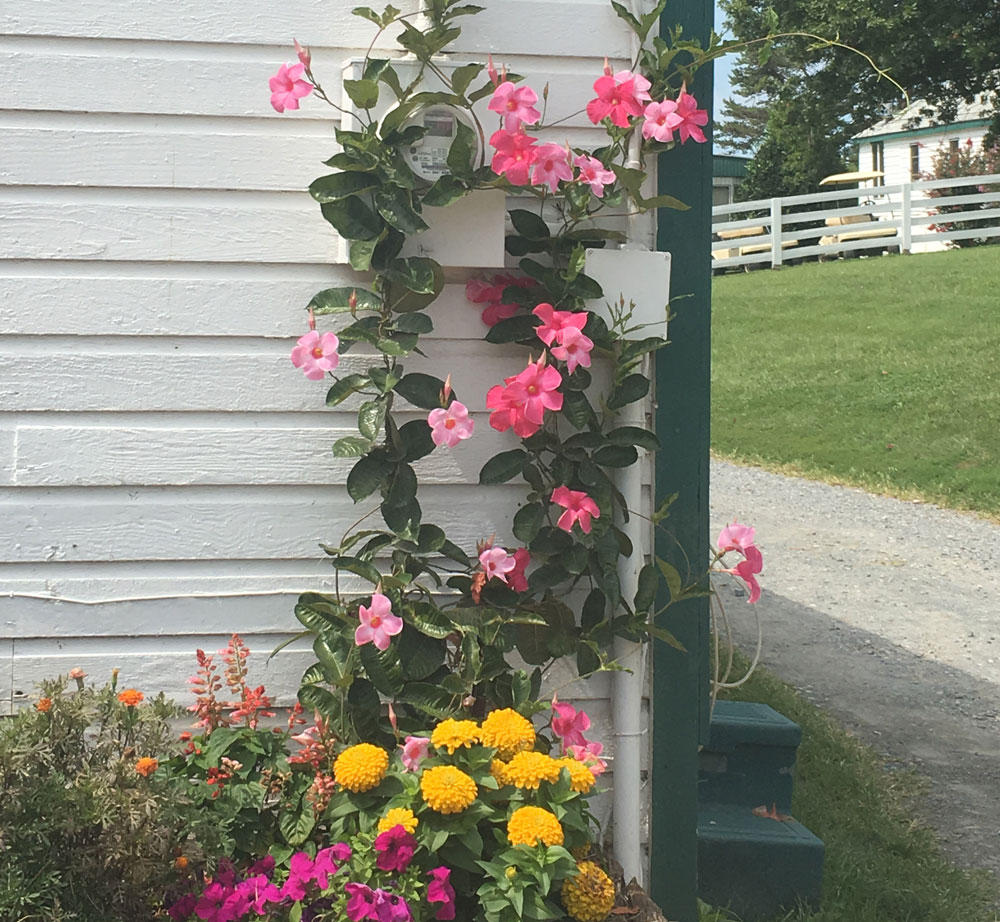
x: 531, y: 825
x: 130, y: 697
x: 180, y: 863
x: 44, y: 705
x: 146, y: 766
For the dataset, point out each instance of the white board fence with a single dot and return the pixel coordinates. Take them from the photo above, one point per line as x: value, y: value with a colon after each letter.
x: 898, y: 218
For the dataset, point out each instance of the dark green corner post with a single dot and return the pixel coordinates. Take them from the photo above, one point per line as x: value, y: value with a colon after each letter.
x: 680, y: 680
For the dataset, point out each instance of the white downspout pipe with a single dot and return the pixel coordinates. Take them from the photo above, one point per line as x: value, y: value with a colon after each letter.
x: 627, y: 686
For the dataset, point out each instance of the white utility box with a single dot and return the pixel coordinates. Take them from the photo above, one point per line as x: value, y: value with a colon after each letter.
x: 640, y: 276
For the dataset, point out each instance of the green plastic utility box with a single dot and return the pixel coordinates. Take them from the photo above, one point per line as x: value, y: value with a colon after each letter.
x: 756, y: 866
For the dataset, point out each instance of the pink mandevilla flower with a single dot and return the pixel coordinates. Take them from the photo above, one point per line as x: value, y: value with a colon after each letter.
x: 661, y: 119
x: 316, y: 354
x: 440, y: 890
x: 520, y: 403
x: 573, y: 349
x: 378, y: 623
x: 496, y: 563
x: 736, y: 537
x: 517, y: 579
x: 515, y: 153
x: 551, y: 165
x: 516, y: 105
x: 449, y: 426
x: 617, y: 101
x: 593, y: 173
x: 590, y: 755
x: 692, y: 119
x: 395, y: 849
x: 640, y: 83
x: 415, y: 751
x: 579, y: 508
x: 303, y: 54
x: 747, y: 570
x: 569, y: 724
x: 288, y: 87
x: 555, y: 322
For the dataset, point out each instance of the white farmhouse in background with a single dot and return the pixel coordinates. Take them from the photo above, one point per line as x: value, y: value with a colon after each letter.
x: 905, y: 154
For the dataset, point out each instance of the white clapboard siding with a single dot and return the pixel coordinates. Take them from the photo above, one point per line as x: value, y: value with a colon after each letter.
x: 165, y: 473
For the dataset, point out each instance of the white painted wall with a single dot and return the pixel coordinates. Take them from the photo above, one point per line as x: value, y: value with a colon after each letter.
x: 897, y: 167
x: 157, y: 249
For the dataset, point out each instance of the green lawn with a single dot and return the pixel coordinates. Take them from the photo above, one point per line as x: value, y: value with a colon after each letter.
x: 881, y: 865
x: 881, y: 372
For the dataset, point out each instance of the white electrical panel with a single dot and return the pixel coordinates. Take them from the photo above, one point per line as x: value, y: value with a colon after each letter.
x: 640, y: 276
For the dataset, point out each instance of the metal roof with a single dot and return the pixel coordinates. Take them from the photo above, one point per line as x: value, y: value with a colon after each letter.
x: 978, y: 111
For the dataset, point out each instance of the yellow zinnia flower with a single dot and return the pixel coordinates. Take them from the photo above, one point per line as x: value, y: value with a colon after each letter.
x: 589, y: 896
x: 452, y: 734
x: 498, y: 769
x: 508, y: 732
x: 581, y: 778
x: 529, y: 769
x: 531, y: 825
x: 361, y: 768
x: 399, y: 816
x: 447, y: 789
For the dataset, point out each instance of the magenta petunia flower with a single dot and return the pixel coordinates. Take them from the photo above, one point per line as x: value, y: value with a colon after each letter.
x: 551, y: 165
x: 573, y: 349
x: 360, y: 902
x: 316, y: 355
x: 288, y: 87
x: 415, y: 751
x: 395, y: 849
x: 579, y: 508
x: 617, y: 101
x: 515, y: 153
x: 328, y: 862
x: 259, y: 891
x: 450, y: 425
x: 390, y: 907
x: 378, y: 623
x: 692, y: 119
x: 594, y: 174
x: 440, y: 890
x: 516, y: 105
x: 496, y: 563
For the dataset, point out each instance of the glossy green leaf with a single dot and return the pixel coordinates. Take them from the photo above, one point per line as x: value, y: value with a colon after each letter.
x: 394, y: 204
x: 371, y: 418
x: 633, y: 435
x: 363, y: 93
x: 633, y: 388
x: 421, y: 390
x: 317, y: 698
x: 415, y: 322
x: 462, y: 76
x: 502, y: 467
x: 344, y: 388
x: 645, y: 596
x: 352, y: 446
x: 367, y: 476
x: 446, y: 190
x: 352, y: 218
x: 360, y: 253
x: 383, y: 668
x: 429, y: 619
x: 527, y: 521
x: 673, y: 578
x: 529, y: 225
x: 416, y: 439
x: 338, y: 186
x: 462, y: 150
x: 338, y: 301
x: 616, y: 456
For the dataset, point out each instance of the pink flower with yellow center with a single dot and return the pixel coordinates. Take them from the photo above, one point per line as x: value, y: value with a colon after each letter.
x: 450, y: 425
x: 573, y: 349
x: 316, y: 354
x: 551, y: 165
x: 515, y: 153
x: 378, y: 623
x: 516, y: 105
x: 555, y: 322
x: 617, y: 101
x: 288, y: 87
x: 594, y: 174
x: 579, y: 508
x: 640, y: 84
x: 661, y: 119
x: 692, y: 119
x: 496, y: 563
x: 520, y: 403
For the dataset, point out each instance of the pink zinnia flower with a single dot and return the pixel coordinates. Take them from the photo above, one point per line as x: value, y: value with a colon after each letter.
x: 449, y: 426
x: 496, y: 563
x: 555, y: 322
x: 579, y: 508
x: 288, y: 87
x: 569, y: 724
x: 617, y: 101
x: 736, y: 537
x: 661, y: 119
x: 514, y: 155
x: 515, y: 104
x: 395, y: 849
x: 517, y: 579
x: 691, y: 118
x: 378, y: 623
x: 573, y: 349
x: 440, y: 890
x: 747, y: 571
x: 360, y: 902
x: 415, y: 751
x: 551, y: 165
x: 593, y: 173
x: 316, y: 355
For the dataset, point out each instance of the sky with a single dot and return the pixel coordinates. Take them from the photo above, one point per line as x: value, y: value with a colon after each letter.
x: 723, y: 70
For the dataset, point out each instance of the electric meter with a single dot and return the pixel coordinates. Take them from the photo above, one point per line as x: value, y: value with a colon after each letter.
x: 428, y: 156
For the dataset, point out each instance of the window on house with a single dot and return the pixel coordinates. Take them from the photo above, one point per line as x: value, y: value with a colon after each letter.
x: 953, y: 145
x: 914, y: 161
x: 878, y: 160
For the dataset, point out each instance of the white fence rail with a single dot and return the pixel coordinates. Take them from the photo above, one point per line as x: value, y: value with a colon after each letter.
x: 770, y: 232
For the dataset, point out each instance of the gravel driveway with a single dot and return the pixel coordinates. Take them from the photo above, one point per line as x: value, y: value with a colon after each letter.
x: 887, y: 614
